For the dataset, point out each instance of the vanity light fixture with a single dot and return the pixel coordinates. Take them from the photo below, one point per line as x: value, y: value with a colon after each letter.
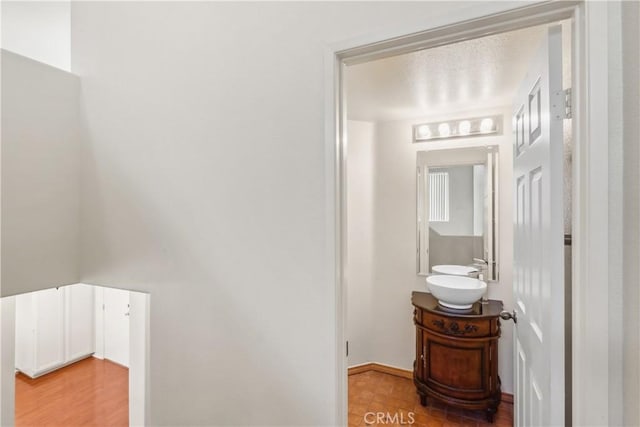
x: 463, y: 128
x: 424, y: 131
x: 486, y: 125
x: 444, y: 130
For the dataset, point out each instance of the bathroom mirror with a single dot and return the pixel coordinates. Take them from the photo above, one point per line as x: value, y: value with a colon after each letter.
x: 457, y: 215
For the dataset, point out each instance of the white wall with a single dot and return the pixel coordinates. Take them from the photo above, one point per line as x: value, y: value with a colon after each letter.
x: 631, y: 223
x: 40, y: 182
x: 204, y: 184
x: 394, y: 273
x: 40, y: 30
x: 360, y: 244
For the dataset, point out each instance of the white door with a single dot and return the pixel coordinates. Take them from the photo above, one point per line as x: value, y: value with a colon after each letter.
x: 538, y: 245
x: 116, y: 326
x: 80, y: 319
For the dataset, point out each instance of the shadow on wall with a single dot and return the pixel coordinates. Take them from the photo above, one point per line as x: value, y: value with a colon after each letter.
x: 459, y: 250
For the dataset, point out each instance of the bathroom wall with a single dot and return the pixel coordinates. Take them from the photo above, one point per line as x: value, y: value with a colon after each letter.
x: 40, y: 30
x: 205, y: 183
x: 40, y: 182
x: 394, y: 274
x: 360, y: 244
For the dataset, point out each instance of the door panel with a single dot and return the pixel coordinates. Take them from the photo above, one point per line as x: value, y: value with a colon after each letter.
x: 459, y: 369
x: 538, y: 247
x: 116, y: 326
x: 80, y: 321
x: 50, y: 327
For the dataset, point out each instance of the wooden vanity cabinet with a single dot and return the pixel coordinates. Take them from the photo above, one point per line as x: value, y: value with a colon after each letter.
x: 457, y: 354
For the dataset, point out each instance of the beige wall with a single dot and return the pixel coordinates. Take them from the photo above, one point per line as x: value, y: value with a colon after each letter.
x: 40, y: 181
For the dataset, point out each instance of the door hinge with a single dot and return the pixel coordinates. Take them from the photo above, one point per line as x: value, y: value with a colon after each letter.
x: 561, y: 105
x: 347, y: 348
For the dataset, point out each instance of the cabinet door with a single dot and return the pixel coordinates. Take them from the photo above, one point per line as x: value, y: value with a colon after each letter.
x: 25, y: 334
x: 49, y: 330
x: 80, y: 322
x: 457, y: 367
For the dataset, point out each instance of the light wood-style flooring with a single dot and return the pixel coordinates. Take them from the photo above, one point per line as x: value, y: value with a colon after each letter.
x: 94, y: 392
x: 373, y: 392
x: 91, y: 392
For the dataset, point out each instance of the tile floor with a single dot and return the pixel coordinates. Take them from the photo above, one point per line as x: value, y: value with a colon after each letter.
x: 378, y: 392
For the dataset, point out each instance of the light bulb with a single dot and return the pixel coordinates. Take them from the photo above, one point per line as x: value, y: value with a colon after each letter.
x: 424, y: 131
x: 444, y: 130
x: 464, y: 127
x: 486, y: 125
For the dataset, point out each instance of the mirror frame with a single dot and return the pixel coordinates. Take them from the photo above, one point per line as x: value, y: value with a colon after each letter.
x: 487, y: 155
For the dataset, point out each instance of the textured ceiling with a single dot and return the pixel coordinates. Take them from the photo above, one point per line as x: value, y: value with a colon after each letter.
x: 473, y: 74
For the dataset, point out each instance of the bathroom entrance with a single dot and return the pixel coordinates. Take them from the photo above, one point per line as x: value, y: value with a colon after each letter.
x: 412, y: 121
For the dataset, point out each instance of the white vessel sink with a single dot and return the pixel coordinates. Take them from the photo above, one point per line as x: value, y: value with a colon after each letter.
x: 456, y: 291
x: 455, y: 270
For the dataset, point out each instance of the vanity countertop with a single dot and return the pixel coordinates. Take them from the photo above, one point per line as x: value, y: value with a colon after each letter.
x: 426, y: 301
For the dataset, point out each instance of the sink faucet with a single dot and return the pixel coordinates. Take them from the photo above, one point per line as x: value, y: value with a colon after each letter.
x: 484, y: 268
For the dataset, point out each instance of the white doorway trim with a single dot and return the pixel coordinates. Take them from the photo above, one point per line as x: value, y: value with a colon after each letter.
x: 590, y: 390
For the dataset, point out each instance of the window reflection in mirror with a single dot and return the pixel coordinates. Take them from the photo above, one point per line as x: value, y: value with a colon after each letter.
x: 457, y: 222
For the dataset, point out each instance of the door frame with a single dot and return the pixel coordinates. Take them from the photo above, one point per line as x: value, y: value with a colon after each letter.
x: 591, y: 394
